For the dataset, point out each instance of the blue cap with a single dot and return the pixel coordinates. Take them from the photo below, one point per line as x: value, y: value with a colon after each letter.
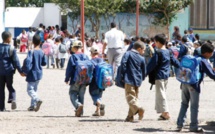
x: 190, y: 29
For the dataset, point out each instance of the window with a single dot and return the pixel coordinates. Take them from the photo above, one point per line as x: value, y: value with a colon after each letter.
x: 202, y: 14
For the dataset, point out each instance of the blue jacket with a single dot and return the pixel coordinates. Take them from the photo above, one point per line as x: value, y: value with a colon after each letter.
x: 133, y: 68
x: 8, y: 63
x: 183, y: 51
x: 93, y: 85
x: 163, y: 71
x: 205, y: 67
x: 71, y: 67
x: 39, y: 60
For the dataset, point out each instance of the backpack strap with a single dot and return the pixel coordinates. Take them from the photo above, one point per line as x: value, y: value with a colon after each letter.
x: 11, y: 49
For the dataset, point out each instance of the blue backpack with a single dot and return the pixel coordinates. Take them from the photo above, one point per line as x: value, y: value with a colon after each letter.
x: 189, y: 71
x: 84, y: 72
x: 104, y: 75
x: 28, y: 63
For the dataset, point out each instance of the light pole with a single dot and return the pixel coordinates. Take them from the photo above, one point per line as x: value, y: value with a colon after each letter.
x: 137, y: 16
x: 82, y: 22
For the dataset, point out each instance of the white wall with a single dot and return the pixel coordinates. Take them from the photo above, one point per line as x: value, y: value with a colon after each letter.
x: 52, y: 14
x: 23, y: 17
x: 2, y: 5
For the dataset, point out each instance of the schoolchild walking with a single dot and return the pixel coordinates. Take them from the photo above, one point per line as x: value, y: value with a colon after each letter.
x: 191, y: 92
x: 95, y: 91
x: 76, y: 77
x: 32, y: 68
x: 133, y: 70
x: 161, y: 62
x: 9, y: 62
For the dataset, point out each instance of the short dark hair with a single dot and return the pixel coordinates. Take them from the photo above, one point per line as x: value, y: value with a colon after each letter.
x: 197, y: 36
x: 36, y: 40
x: 147, y: 40
x: 207, y: 48
x: 5, y: 35
x: 185, y: 31
x: 160, y: 38
x: 112, y: 25
x: 184, y: 39
x: 41, y: 25
x: 138, y: 44
x: 127, y: 41
x: 57, y: 39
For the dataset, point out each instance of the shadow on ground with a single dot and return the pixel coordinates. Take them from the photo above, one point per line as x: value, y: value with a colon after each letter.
x: 209, y: 127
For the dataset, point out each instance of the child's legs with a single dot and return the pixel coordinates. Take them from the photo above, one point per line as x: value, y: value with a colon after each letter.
x: 2, y: 92
x: 82, y: 90
x: 194, y: 109
x: 96, y: 96
x: 161, y: 105
x: 12, y: 92
x: 130, y: 93
x: 57, y: 62
x: 47, y: 58
x: 185, y: 96
x: 74, y: 95
x: 62, y: 62
x: 32, y: 92
x: 52, y: 60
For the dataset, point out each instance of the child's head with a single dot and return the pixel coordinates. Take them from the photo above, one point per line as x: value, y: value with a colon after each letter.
x: 207, y: 50
x: 57, y: 40
x: 197, y: 44
x: 127, y: 42
x: 184, y: 39
x: 147, y: 41
x: 77, y: 46
x: 197, y: 36
x: 50, y: 36
x: 169, y: 44
x: 160, y: 40
x: 190, y: 30
x: 6, y: 37
x: 139, y: 46
x: 36, y: 40
x: 94, y: 50
x: 185, y: 32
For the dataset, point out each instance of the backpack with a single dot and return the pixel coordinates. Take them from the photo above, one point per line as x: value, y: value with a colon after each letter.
x: 104, y: 75
x: 62, y: 48
x: 188, y: 73
x: 148, y: 52
x: 118, y: 81
x: 27, y: 63
x: 41, y: 34
x: 83, y: 72
x: 47, y: 48
x: 189, y: 49
x: 175, y: 52
x: 24, y: 38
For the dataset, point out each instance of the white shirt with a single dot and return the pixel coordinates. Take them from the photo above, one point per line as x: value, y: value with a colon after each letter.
x: 114, y: 38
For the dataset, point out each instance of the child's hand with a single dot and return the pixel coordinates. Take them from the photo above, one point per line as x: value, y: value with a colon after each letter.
x: 67, y: 82
x: 22, y: 74
x: 214, y: 69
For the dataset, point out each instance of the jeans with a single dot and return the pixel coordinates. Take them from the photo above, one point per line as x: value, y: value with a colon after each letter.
x: 62, y: 62
x: 52, y: 60
x: 77, y: 93
x: 96, y: 96
x: 57, y: 62
x: 189, y: 94
x: 8, y: 81
x: 32, y: 92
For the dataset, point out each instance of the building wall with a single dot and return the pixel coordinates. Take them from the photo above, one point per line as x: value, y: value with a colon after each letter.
x: 127, y: 23
x: 52, y: 14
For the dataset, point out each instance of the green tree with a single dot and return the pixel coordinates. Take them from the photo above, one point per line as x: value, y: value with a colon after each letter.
x: 94, y: 9
x: 164, y: 11
x: 26, y: 3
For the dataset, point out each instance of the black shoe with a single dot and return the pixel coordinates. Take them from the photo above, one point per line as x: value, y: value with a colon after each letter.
x: 13, y: 105
x: 102, y: 109
x: 38, y: 106
x: 199, y: 130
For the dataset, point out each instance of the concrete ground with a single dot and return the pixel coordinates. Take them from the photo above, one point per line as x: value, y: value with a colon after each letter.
x: 56, y: 115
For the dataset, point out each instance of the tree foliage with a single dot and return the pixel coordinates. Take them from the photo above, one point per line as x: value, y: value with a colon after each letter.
x: 94, y: 9
x: 26, y: 3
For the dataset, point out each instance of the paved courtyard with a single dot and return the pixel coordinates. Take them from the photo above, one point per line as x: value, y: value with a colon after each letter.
x: 56, y: 115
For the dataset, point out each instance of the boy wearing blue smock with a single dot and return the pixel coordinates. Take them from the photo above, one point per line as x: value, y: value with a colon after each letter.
x: 95, y: 91
x: 190, y: 93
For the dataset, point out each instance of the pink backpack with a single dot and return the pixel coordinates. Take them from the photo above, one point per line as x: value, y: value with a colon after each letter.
x: 24, y: 38
x: 47, y: 48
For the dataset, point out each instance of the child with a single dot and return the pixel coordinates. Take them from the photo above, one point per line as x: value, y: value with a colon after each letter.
x: 149, y: 51
x: 35, y: 74
x: 56, y: 52
x: 133, y: 73
x: 95, y: 92
x: 76, y: 91
x: 161, y: 63
x: 197, y: 46
x: 9, y: 62
x: 192, y: 92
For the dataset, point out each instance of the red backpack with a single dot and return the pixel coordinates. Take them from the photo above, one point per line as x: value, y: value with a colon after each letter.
x: 24, y: 38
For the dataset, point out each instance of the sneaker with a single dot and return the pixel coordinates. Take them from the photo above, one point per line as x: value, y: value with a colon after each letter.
x: 129, y: 119
x: 38, y: 106
x: 179, y: 129
x: 31, y: 108
x: 198, y: 130
x: 79, y: 111
x: 141, y: 113
x: 13, y: 105
x: 53, y: 66
x: 102, y: 110
x: 96, y: 114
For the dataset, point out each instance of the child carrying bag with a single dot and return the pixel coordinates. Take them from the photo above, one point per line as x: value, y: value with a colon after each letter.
x: 188, y: 73
x: 104, y: 75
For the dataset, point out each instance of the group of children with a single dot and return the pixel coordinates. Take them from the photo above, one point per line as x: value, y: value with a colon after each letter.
x: 133, y: 71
